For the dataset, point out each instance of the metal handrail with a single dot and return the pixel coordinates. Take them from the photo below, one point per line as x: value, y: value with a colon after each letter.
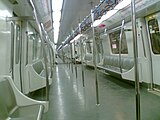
x: 75, y: 58
x: 81, y: 46
x: 71, y: 56
x: 94, y: 61
x: 12, y: 51
x: 135, y: 46
x: 43, y: 45
x: 51, y: 54
x: 120, y: 45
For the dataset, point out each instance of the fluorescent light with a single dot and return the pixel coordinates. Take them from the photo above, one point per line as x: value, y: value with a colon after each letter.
x: 5, y: 13
x: 72, y: 41
x: 108, y: 14
x: 57, y: 16
x: 96, y: 22
x: 57, y: 6
x: 76, y: 38
x: 5, y: 32
x: 122, y: 4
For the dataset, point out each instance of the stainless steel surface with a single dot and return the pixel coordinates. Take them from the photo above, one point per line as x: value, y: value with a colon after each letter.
x: 95, y: 60
x: 43, y: 45
x: 21, y: 57
x: 75, y: 54
x: 81, y: 45
x: 135, y: 47
x: 71, y: 57
x: 50, y: 58
x: 12, y: 51
x: 120, y: 45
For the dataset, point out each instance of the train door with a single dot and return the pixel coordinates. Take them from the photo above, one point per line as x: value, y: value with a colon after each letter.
x: 17, y: 43
x: 153, y: 24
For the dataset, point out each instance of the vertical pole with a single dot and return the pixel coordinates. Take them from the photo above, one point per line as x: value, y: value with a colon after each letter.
x: 68, y: 58
x: 75, y: 55
x: 120, y: 45
x: 94, y: 59
x: 43, y: 45
x: 81, y: 46
x: 63, y: 55
x: 71, y: 57
x: 137, y: 90
x: 12, y: 51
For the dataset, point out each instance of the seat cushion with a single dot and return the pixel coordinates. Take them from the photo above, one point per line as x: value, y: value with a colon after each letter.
x: 26, y: 112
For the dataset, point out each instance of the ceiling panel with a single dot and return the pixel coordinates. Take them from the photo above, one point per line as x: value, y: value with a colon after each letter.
x: 73, y: 12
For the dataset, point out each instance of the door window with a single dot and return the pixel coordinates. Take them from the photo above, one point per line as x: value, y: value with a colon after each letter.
x: 114, y: 40
x: 154, y: 35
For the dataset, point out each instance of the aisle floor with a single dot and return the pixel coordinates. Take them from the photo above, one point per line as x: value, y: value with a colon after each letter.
x: 69, y: 100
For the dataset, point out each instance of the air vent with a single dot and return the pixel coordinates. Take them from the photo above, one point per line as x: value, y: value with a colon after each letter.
x: 13, y: 2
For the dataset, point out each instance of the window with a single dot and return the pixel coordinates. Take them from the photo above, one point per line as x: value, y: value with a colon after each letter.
x: 34, y: 39
x: 114, y: 40
x: 154, y: 35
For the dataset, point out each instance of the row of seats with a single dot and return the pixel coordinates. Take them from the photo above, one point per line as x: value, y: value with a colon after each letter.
x: 112, y: 63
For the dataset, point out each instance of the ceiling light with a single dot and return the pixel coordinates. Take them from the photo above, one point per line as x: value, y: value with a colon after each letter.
x: 108, y: 14
x: 122, y: 4
x: 5, y: 13
x: 96, y: 23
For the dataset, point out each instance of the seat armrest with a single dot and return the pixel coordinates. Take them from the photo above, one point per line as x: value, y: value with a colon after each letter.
x: 23, y: 100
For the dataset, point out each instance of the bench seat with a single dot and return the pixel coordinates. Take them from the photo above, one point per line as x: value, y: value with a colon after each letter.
x: 29, y: 112
x: 16, y: 106
x: 111, y: 65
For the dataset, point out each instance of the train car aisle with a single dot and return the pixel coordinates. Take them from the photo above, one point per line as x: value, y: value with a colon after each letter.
x: 69, y: 100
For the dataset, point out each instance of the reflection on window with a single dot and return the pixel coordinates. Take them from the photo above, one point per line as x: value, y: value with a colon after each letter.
x: 17, y: 44
x: 154, y: 35
x: 114, y: 40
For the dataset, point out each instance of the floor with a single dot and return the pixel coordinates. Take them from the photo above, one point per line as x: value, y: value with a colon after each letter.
x: 69, y: 100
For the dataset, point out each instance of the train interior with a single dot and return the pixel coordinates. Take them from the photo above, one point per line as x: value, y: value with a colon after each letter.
x: 84, y: 60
